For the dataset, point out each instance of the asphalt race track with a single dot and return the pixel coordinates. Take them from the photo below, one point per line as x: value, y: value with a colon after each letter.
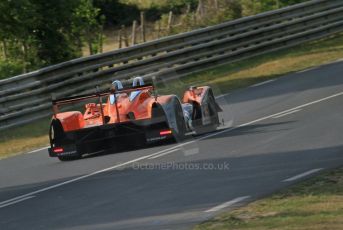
x: 275, y: 134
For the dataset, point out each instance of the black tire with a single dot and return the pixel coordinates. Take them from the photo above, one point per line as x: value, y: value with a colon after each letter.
x: 180, y: 134
x: 176, y: 119
x: 57, y: 137
x: 214, y: 118
x: 213, y: 111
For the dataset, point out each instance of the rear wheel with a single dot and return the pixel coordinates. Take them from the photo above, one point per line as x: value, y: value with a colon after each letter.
x: 179, y: 135
x: 57, y: 138
x: 213, y: 116
x: 176, y: 119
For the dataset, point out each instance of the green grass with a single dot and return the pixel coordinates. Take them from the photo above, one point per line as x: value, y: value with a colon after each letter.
x: 222, y: 79
x: 244, y: 73
x: 314, y: 204
x: 22, y: 139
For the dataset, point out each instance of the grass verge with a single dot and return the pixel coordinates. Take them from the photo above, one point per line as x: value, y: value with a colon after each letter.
x: 25, y: 138
x: 222, y: 79
x: 254, y: 70
x: 313, y: 204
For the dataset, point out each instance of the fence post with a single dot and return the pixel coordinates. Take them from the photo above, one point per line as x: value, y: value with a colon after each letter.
x: 201, y: 9
x: 120, y: 39
x: 143, y: 26
x: 101, y: 40
x: 188, y: 10
x: 126, y: 39
x: 4, y: 45
x: 170, y: 21
x: 216, y: 6
x: 187, y: 17
x: 158, y: 29
x: 25, y: 56
x: 133, y: 35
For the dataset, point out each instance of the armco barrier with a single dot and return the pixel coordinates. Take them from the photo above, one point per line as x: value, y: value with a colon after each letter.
x: 27, y: 97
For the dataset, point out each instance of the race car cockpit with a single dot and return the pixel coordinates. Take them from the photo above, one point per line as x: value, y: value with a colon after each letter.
x: 137, y: 81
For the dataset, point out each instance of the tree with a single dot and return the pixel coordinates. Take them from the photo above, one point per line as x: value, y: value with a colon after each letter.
x: 46, y: 32
x: 56, y: 41
x: 88, y: 25
x: 16, y: 26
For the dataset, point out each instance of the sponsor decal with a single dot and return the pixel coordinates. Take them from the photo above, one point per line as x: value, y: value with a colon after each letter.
x: 67, y: 153
x: 156, y: 138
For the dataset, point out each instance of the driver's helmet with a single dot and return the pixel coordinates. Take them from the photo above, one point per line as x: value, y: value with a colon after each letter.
x: 116, y: 85
x: 137, y: 81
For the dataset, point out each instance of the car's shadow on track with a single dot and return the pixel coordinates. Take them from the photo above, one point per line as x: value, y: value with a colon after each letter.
x: 128, y: 148
x: 219, y: 133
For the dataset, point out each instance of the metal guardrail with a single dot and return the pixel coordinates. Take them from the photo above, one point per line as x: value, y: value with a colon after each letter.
x: 27, y: 97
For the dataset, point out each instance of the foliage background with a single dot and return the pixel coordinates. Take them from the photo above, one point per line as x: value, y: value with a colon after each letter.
x: 38, y: 33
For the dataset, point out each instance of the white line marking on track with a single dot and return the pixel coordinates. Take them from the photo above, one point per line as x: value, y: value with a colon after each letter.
x: 302, y: 175
x: 5, y: 204
x: 89, y: 175
x: 263, y: 83
x: 163, y: 154
x: 227, y: 204
x: 309, y: 69
x: 339, y: 60
x: 171, y: 148
x: 37, y: 150
x: 291, y: 109
x: 223, y: 95
x: 288, y: 113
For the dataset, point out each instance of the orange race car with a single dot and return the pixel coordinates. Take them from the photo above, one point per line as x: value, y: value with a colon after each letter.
x: 129, y: 116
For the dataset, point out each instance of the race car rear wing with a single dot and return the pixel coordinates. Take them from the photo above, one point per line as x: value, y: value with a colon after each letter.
x: 74, y: 99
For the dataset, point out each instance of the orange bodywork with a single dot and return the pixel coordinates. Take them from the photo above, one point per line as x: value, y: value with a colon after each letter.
x: 140, y: 106
x: 194, y: 95
x: 126, y: 105
x: 138, y: 103
x: 71, y: 120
